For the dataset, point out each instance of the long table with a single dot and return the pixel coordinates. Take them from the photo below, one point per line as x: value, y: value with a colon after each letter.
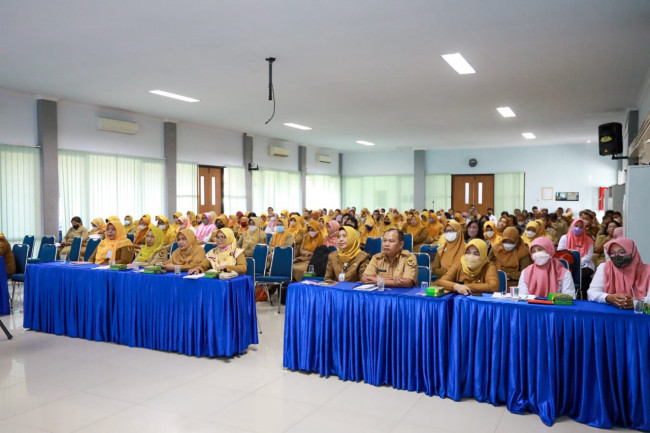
x: 203, y: 317
x: 588, y: 361
x: 4, y: 289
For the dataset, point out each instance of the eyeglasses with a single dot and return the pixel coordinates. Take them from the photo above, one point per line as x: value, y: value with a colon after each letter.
x: 620, y: 253
x: 221, y: 238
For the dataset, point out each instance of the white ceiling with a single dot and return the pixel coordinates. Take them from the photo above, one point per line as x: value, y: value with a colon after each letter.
x: 351, y: 69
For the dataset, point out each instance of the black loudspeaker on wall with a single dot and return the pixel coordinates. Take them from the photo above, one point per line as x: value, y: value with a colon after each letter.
x: 610, y: 138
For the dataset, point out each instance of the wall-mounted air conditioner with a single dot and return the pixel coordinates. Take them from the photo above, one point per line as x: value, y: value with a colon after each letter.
x: 114, y: 125
x: 278, y: 151
x: 326, y: 159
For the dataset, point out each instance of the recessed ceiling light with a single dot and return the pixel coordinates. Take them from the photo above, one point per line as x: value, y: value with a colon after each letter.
x: 173, y: 96
x: 365, y: 143
x: 295, y: 125
x: 506, y: 112
x: 528, y: 135
x: 458, y: 62
x: 588, y: 141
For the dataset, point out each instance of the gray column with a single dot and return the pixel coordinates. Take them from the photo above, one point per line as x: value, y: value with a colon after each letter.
x: 302, y: 167
x: 248, y: 175
x: 170, y: 140
x: 48, y: 140
x: 341, y: 178
x: 419, y: 179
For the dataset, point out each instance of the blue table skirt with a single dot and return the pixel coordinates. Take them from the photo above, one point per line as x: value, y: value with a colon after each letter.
x: 395, y: 337
x: 201, y: 317
x: 588, y: 361
x: 4, y: 289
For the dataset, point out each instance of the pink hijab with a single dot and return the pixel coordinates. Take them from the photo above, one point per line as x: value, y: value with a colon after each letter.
x: 580, y: 243
x: 186, y: 224
x: 204, y: 230
x: 333, y: 239
x: 542, y: 280
x: 619, y: 232
x: 632, y: 280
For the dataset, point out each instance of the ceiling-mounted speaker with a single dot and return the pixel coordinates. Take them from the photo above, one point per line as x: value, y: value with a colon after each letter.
x: 114, y: 125
x: 610, y: 139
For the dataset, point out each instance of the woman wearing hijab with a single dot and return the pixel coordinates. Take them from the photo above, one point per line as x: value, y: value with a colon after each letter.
x: 8, y: 255
x: 503, y: 222
x: 322, y: 225
x: 205, y: 229
x: 270, y: 227
x: 189, y: 254
x: 511, y: 255
x: 97, y: 228
x: 252, y: 236
x: 623, y: 277
x: 491, y: 234
x: 604, y: 237
x: 434, y: 227
x: 296, y: 229
x: 174, y: 221
x: 168, y: 232
x: 458, y: 217
x: 153, y: 251
x: 226, y: 256
x: 451, y: 250
x: 370, y: 230
x: 192, y: 216
x: 332, y: 238
x: 115, y: 247
x: 264, y: 220
x: 576, y: 239
x: 474, y: 272
x: 311, y: 241
x: 533, y: 231
x: 415, y: 228
x: 388, y: 222
x: 546, y: 274
x: 348, y: 259
x: 143, y: 227
x: 184, y: 222
x: 129, y: 226
x: 281, y: 237
x: 242, y: 227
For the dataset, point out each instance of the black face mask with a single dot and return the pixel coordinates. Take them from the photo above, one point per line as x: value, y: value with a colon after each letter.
x: 219, y: 224
x: 387, y: 223
x: 621, y: 261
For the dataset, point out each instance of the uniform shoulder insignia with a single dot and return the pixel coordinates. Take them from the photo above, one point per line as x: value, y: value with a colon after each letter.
x: 410, y: 262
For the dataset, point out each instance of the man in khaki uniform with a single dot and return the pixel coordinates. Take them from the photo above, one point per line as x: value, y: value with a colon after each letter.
x: 397, y: 267
x: 77, y: 230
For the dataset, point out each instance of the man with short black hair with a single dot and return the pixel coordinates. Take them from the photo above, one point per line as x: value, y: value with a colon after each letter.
x: 397, y: 267
x: 491, y: 216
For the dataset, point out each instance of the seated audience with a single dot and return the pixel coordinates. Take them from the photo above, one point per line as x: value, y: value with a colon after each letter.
x: 252, y: 236
x: 577, y: 239
x: 473, y: 273
x: 115, y: 247
x: 451, y: 249
x: 129, y: 227
x: 414, y: 227
x: 605, y: 236
x: 491, y: 234
x: 189, y: 254
x: 313, y: 240
x: 348, y: 259
x: 546, y: 274
x: 474, y: 231
x: 205, y: 229
x: 511, y: 255
x: 226, y: 256
x: 143, y: 227
x: 153, y: 251
x: 77, y: 230
x: 332, y: 238
x: 396, y: 266
x: 168, y: 231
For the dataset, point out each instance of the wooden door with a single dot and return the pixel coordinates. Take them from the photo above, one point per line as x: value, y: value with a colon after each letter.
x: 210, y: 193
x: 477, y: 190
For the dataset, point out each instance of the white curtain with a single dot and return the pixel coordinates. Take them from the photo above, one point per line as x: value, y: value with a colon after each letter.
x: 378, y: 192
x: 186, y: 187
x: 20, y: 192
x: 323, y: 191
x: 234, y: 190
x: 93, y: 185
x: 279, y: 189
x: 438, y: 191
x: 508, y: 192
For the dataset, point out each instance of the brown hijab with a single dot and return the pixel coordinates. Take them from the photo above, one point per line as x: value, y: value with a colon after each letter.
x: 452, y: 251
x: 508, y: 261
x: 192, y: 256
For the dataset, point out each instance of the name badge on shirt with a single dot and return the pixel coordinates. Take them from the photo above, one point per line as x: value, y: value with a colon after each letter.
x: 109, y: 254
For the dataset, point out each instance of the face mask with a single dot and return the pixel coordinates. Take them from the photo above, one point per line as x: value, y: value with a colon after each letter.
x: 142, y: 227
x: 531, y: 233
x: 219, y: 224
x: 621, y: 261
x: 273, y: 218
x: 163, y: 227
x: 509, y: 247
x: 521, y: 223
x: 252, y: 228
x: 386, y: 223
x: 431, y: 220
x: 618, y: 220
x: 451, y: 236
x: 244, y: 224
x: 541, y: 258
x: 369, y: 228
x: 363, y: 219
x: 127, y: 223
x: 577, y: 231
x: 205, y: 221
x: 279, y: 229
x: 472, y: 261
x: 312, y: 234
x: 292, y: 224
x: 489, y: 233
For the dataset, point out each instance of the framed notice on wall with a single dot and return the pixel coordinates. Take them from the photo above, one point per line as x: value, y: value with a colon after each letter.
x: 567, y: 196
x: 547, y: 193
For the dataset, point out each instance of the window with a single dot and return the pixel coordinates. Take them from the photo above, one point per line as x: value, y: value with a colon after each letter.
x: 438, y: 191
x: 378, y: 191
x: 20, y: 192
x: 323, y: 191
x: 279, y: 189
x: 186, y: 186
x: 93, y: 185
x: 508, y: 192
x: 234, y: 190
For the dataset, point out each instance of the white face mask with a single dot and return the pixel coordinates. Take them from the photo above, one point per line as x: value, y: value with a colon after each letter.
x: 509, y: 247
x: 127, y: 223
x: 541, y: 258
x: 142, y: 227
x: 163, y: 227
x: 530, y: 233
x: 312, y: 234
x: 451, y: 236
x: 252, y: 228
x: 618, y: 220
x: 521, y: 223
x: 489, y: 233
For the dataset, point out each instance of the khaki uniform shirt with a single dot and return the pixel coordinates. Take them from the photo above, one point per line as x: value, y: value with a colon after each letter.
x: 81, y: 232
x: 404, y: 265
x: 353, y: 271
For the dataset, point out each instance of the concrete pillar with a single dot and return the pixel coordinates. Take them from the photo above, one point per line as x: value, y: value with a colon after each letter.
x: 248, y: 175
x: 170, y: 146
x: 419, y: 179
x: 302, y: 167
x: 48, y: 141
x: 341, y: 178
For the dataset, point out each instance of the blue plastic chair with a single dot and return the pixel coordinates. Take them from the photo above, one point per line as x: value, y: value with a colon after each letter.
x: 208, y: 247
x: 75, y: 249
x: 173, y: 248
x: 429, y: 250
x: 503, y: 281
x: 46, y: 240
x: 268, y: 238
x: 131, y: 237
x: 259, y: 255
x: 408, y: 242
x: 424, y: 275
x: 423, y: 259
x: 281, y: 270
x: 21, y: 254
x: 46, y: 253
x: 29, y: 241
x: 250, y: 271
x: 91, y: 245
x: 373, y: 246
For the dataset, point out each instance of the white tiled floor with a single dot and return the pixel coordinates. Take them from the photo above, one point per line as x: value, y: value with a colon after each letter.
x: 58, y: 384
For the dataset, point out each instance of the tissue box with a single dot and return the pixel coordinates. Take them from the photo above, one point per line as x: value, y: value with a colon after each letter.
x: 560, y: 299
x: 309, y: 274
x: 117, y: 267
x: 156, y: 269
x: 212, y: 274
x: 435, y: 291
